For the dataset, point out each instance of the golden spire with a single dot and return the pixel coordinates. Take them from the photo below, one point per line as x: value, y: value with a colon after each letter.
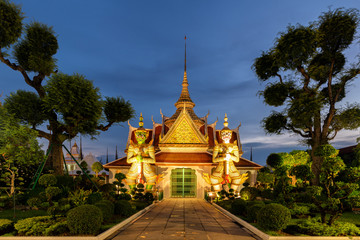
x: 185, y: 96
x: 141, y: 123
x: 226, y: 124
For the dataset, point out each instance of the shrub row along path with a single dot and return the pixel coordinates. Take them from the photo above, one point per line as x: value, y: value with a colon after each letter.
x: 183, y: 219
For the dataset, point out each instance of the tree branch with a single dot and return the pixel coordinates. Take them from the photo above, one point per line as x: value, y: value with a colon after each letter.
x: 280, y: 78
x: 297, y: 131
x: 104, y: 128
x: 43, y: 134
x: 306, y: 76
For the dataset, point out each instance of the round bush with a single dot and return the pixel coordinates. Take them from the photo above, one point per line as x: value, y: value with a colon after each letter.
x: 52, y: 192
x: 238, y: 207
x: 123, y: 208
x: 85, y: 219
x: 47, y: 180
x: 94, y: 198
x: 34, y: 202
x: 105, y: 209
x: 253, y: 211
x: 273, y: 217
x: 110, y: 204
x: 274, y: 160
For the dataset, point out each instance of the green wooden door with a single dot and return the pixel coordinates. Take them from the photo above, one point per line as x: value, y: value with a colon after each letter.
x: 183, y: 183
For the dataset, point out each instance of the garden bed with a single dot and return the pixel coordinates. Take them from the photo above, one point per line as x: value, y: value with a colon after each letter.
x: 268, y: 235
x: 105, y: 234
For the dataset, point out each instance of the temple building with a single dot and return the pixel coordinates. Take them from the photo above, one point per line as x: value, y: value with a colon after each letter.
x: 182, y: 146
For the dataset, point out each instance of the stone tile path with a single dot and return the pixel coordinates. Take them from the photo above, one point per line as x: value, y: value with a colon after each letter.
x: 183, y: 219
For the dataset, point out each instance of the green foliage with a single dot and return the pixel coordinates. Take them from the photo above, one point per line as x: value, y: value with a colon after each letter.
x: 311, y: 61
x: 275, y: 123
x: 274, y: 217
x: 314, y: 227
x: 27, y: 107
x: 139, y: 204
x: 85, y: 219
x: 265, y: 66
x: 302, y: 172
x: 274, y: 160
x: 275, y: 94
x: 37, y: 226
x: 10, y: 23
x: 47, y: 180
x: 337, y: 185
x: 35, y: 52
x: 252, y: 211
x: 97, y: 167
x: 57, y: 229
x: 76, y: 100
x: 249, y: 193
x: 116, y: 109
x: 107, y: 210
x: 79, y: 197
x: 52, y: 192
x: 34, y: 202
x: 6, y: 226
x: 326, y: 151
x: 18, y: 148
x: 123, y: 208
x: 238, y: 207
x: 299, y: 210
x: 94, y: 198
x: 265, y: 178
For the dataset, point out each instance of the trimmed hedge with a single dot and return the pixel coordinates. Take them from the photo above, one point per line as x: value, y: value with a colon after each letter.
x: 253, y: 210
x: 315, y: 228
x: 238, y: 207
x: 273, y: 217
x: 106, y: 209
x: 85, y: 219
x: 123, y: 208
x: 47, y: 180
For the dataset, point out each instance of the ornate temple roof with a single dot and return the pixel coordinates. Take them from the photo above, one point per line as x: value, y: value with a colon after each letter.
x: 184, y: 101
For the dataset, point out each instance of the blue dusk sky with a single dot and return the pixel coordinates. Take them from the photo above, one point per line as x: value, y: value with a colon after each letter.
x: 135, y: 49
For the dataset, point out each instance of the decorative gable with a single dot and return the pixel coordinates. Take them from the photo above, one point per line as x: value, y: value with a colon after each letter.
x: 183, y: 133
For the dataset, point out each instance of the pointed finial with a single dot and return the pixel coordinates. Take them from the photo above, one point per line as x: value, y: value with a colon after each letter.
x: 141, y: 124
x: 185, y: 56
x: 226, y: 124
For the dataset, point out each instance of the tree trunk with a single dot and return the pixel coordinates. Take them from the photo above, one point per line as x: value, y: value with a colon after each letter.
x: 55, y: 160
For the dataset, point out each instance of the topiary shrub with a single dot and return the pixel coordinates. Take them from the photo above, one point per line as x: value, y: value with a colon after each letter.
x: 47, y: 180
x: 274, y: 160
x: 252, y: 211
x: 6, y: 226
x: 34, y: 202
x: 238, y: 207
x: 85, y: 219
x: 273, y: 217
x: 110, y: 204
x: 107, y: 210
x: 123, y: 208
x: 249, y: 193
x: 299, y: 211
x: 94, y: 198
x: 139, y: 205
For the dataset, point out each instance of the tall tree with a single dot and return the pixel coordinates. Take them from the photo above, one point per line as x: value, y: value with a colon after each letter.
x: 68, y: 104
x: 310, y: 76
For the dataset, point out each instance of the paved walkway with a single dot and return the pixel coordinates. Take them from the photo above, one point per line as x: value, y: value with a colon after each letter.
x: 183, y: 219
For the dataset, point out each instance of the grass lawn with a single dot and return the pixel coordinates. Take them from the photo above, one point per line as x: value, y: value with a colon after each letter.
x: 19, y: 214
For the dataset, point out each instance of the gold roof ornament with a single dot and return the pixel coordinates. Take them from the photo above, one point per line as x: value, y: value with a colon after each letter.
x: 226, y: 124
x: 141, y: 126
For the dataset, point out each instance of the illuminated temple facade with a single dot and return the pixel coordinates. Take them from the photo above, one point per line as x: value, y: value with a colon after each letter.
x: 183, y: 146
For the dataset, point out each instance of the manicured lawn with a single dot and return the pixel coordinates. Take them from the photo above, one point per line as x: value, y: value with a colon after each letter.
x: 19, y: 214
